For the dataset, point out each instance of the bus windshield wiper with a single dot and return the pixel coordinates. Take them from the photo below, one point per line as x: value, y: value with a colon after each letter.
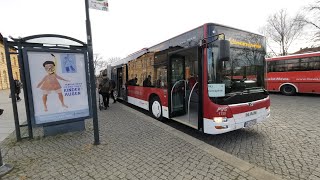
x: 243, y: 79
x: 254, y: 90
x: 232, y: 95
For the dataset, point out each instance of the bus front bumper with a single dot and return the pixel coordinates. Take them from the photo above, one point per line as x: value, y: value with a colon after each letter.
x: 238, y: 121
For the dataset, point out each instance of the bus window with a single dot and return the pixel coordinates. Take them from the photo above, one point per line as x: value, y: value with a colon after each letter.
x: 280, y: 66
x: 304, y: 64
x: 271, y: 66
x: 161, y: 78
x: 315, y: 63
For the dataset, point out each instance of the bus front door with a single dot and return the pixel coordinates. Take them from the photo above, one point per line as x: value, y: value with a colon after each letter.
x: 184, y: 86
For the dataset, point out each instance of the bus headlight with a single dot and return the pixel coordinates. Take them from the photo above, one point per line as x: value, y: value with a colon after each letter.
x: 220, y: 119
x: 268, y: 109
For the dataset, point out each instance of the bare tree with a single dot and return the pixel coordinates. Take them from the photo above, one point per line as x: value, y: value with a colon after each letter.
x: 99, y: 63
x: 103, y: 65
x: 113, y: 59
x: 312, y: 18
x: 283, y: 30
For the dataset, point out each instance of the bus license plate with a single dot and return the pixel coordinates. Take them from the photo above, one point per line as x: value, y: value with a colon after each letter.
x: 250, y: 123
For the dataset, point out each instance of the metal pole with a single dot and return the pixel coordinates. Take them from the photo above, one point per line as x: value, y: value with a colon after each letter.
x: 92, y: 77
x: 26, y: 99
x: 12, y: 90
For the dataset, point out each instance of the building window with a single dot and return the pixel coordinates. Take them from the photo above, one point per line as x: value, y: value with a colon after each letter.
x: 17, y: 76
x: 14, y: 61
x: 2, y: 57
x: 5, y: 80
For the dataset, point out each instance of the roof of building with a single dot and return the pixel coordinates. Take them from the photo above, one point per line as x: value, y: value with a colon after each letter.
x: 307, y: 50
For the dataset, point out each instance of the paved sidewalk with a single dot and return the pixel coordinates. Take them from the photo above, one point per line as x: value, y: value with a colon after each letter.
x: 133, y: 146
x: 6, y: 119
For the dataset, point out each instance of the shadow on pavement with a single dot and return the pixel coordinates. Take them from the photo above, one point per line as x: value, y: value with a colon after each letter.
x: 219, y: 140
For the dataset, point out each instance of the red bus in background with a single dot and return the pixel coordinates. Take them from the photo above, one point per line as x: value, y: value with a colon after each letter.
x: 186, y: 79
x: 298, y: 73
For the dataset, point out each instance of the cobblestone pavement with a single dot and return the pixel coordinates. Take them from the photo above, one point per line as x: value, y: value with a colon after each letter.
x: 132, y: 146
x: 288, y: 144
x: 6, y: 119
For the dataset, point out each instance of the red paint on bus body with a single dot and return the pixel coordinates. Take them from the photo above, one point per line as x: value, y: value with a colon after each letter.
x: 144, y: 93
x: 304, y: 81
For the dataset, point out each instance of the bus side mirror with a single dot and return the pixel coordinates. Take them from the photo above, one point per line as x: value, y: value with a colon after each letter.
x: 224, y: 50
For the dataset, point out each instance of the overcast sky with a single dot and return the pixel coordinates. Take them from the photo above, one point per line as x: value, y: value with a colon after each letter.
x: 131, y: 25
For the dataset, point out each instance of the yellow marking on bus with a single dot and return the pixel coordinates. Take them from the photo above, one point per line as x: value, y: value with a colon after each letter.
x: 245, y: 44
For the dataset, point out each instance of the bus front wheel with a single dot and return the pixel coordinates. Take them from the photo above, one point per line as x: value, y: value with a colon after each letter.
x: 288, y: 90
x: 156, y: 108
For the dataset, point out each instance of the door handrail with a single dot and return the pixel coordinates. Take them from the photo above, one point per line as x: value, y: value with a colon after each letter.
x: 185, y: 86
x: 190, y: 99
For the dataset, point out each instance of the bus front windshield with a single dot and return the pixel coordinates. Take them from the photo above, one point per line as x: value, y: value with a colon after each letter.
x: 243, y: 73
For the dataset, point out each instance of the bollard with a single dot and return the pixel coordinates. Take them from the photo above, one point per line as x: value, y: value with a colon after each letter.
x: 4, y: 168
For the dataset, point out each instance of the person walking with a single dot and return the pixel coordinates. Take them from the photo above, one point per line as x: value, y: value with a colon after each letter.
x: 17, y: 85
x: 104, y: 90
x: 113, y: 87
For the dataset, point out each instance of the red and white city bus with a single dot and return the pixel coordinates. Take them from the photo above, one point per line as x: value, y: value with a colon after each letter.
x: 294, y: 73
x: 198, y: 79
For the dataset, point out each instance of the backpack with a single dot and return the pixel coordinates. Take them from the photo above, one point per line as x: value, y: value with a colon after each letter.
x: 105, y: 86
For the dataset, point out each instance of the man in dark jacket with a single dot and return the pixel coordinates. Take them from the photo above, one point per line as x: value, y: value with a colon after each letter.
x: 104, y: 90
x: 17, y: 85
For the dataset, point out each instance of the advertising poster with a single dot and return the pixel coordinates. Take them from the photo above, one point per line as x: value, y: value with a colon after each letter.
x: 59, y: 88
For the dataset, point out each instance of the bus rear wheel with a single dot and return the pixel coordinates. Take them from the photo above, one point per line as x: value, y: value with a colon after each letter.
x: 155, y: 108
x: 288, y: 90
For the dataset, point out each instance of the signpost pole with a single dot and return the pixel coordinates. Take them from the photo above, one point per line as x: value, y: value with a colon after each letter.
x: 92, y: 77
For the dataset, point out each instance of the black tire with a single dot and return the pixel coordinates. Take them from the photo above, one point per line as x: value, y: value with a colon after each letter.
x: 155, y: 108
x: 288, y: 90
